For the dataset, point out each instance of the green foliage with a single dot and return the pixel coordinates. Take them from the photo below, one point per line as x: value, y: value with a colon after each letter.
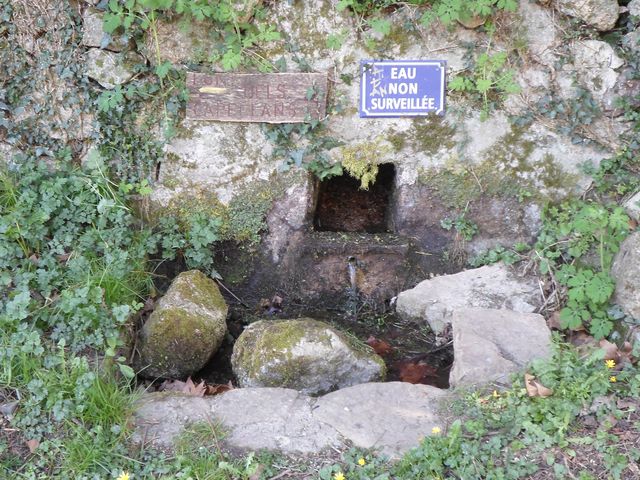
x: 489, y: 442
x: 490, y: 81
x: 446, y: 11
x: 31, y: 94
x: 571, y: 232
x: 572, y: 115
x: 449, y: 11
x: 462, y: 225
x: 74, y: 266
x: 238, y: 35
x: 508, y: 256
x: 311, y: 155
x: 361, y: 161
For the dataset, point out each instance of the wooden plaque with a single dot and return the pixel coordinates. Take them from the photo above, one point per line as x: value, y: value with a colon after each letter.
x: 269, y: 97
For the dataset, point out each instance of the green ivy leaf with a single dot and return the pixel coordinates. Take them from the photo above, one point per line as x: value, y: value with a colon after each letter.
x: 126, y: 371
x: 162, y: 70
x: 231, y: 60
x: 600, y: 288
x: 458, y: 83
x: 483, y: 85
x: 111, y: 22
x: 600, y: 327
x: 573, y: 318
x: 380, y: 25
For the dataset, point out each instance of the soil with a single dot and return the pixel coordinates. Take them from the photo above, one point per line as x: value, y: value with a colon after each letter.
x: 344, y: 207
x: 414, y: 353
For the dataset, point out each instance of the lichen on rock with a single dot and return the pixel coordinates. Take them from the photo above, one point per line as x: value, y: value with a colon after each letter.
x: 303, y: 354
x: 186, y: 328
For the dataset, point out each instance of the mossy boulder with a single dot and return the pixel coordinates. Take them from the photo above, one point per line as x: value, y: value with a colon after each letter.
x: 302, y: 354
x: 186, y: 328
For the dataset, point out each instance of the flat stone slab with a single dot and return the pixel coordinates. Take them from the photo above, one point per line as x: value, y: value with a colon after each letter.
x: 391, y: 417
x: 493, y: 286
x: 489, y: 345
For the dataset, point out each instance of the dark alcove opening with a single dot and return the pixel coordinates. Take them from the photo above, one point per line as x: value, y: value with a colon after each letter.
x: 344, y: 207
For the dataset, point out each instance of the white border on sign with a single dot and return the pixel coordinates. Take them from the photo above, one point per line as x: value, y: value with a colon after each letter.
x: 363, y: 87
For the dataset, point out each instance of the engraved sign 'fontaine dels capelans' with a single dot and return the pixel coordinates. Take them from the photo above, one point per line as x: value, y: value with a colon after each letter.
x: 402, y: 88
x: 271, y: 97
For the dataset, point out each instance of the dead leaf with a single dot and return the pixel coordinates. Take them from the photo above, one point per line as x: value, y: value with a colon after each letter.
x: 32, y: 445
x: 554, y: 321
x: 258, y: 473
x: 218, y: 388
x: 535, y: 388
x: 191, y: 388
x: 625, y: 403
x: 379, y: 346
x: 610, y: 350
x: 473, y: 22
x: 276, y: 301
x: 149, y: 305
x: 416, y: 372
x: 187, y: 387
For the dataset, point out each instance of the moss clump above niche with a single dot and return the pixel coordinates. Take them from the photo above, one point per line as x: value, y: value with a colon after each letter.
x: 361, y: 160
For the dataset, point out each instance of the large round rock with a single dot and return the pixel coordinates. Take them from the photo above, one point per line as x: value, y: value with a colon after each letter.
x: 303, y: 354
x: 186, y: 328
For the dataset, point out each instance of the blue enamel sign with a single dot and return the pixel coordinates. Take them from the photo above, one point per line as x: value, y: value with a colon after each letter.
x: 402, y: 88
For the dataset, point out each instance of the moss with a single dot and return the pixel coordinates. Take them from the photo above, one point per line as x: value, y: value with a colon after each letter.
x: 171, y: 182
x: 170, y: 347
x: 272, y: 342
x: 429, y: 134
x: 397, y: 140
x: 247, y: 211
x: 187, y: 327
x: 195, y: 287
x: 361, y: 160
x: 399, y: 38
x: 507, y: 170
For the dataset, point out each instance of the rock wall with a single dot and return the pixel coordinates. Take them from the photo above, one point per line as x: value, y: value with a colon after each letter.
x: 495, y: 173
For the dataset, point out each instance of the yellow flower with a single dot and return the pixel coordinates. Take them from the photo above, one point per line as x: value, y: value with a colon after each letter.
x: 123, y: 476
x: 436, y: 430
x: 610, y: 363
x: 361, y: 461
x: 613, y: 379
x: 339, y: 476
x: 495, y: 394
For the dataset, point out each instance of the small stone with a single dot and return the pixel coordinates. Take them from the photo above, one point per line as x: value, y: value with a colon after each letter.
x: 8, y: 409
x: 595, y: 63
x: 94, y: 36
x: 632, y: 40
x: 303, y: 354
x: 626, y: 273
x: 170, y: 346
x: 634, y: 9
x: 492, y: 286
x: 632, y: 206
x: 601, y: 14
x: 391, y: 417
x: 489, y: 345
x: 110, y: 69
x: 177, y: 43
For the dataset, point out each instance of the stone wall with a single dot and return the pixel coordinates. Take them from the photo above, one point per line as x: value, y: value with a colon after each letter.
x: 497, y: 172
